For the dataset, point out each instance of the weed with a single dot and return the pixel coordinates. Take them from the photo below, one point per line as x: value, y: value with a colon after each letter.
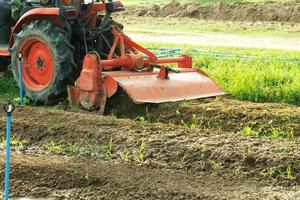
x: 248, y: 131
x: 269, y: 173
x: 139, y: 153
x: 215, y: 165
x: 26, y: 101
x: 246, y: 151
x: 53, y: 147
x: 72, y: 149
x: 273, y: 132
x: 58, y: 126
x: 113, y: 118
x: 203, y: 153
x: 289, y: 147
x: 184, y: 124
x: 142, y: 119
x: 179, y: 165
x: 194, y: 121
x: 279, y: 133
x: 289, y: 174
x: 125, y: 156
x: 89, y: 149
x: 178, y: 112
x: 14, y: 142
x: 107, y: 150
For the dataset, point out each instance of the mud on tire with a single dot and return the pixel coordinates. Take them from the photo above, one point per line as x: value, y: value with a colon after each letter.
x: 65, y: 70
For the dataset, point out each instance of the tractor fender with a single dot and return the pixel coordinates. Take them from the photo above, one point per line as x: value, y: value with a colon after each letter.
x: 54, y: 15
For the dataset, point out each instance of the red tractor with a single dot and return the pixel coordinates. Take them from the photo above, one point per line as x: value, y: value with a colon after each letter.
x: 73, y: 48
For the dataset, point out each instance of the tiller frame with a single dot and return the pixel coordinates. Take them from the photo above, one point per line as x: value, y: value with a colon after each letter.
x: 99, y: 79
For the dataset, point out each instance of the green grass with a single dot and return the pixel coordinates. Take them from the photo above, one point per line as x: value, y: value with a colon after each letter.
x: 272, y: 132
x: 267, y: 77
x: 7, y: 89
x: 255, y: 80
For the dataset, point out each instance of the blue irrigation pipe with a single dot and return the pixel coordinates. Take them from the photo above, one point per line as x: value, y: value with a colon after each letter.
x: 171, y: 52
x: 9, y: 108
x: 20, y: 57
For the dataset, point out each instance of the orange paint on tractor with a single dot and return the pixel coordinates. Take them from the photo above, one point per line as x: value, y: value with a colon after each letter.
x: 39, y: 69
x: 99, y: 80
x: 90, y: 91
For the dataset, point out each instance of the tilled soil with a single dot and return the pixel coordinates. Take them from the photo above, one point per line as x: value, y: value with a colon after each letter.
x: 269, y: 11
x: 172, y: 159
x: 52, y: 177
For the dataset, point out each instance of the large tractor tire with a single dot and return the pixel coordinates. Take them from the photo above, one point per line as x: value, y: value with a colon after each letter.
x: 48, y: 62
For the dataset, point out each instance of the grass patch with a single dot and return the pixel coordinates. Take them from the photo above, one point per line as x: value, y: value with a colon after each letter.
x: 272, y: 132
x: 14, y: 142
x: 7, y: 89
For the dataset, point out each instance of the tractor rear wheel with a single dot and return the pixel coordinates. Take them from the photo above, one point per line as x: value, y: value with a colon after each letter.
x: 48, y: 62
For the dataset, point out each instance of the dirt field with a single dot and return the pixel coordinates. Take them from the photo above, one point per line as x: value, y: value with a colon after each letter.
x: 242, y: 25
x: 269, y: 11
x: 215, y: 39
x: 190, y: 150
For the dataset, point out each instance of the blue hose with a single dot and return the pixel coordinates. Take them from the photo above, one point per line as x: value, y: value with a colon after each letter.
x: 7, y: 156
x: 9, y: 108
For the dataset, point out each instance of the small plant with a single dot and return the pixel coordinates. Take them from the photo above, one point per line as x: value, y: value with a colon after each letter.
x: 107, y: 150
x: 246, y: 151
x: 194, y: 121
x: 276, y: 132
x: 289, y: 174
x: 203, y: 153
x: 72, y: 149
x: 215, y: 165
x: 142, y: 119
x: 179, y: 165
x: 14, y: 142
x: 53, y: 147
x: 279, y: 133
x: 58, y: 126
x: 89, y: 149
x: 26, y: 101
x: 268, y: 173
x: 125, y: 156
x: 289, y: 147
x: 248, y: 131
x: 184, y: 124
x: 139, y: 153
x: 178, y: 112
x: 113, y: 118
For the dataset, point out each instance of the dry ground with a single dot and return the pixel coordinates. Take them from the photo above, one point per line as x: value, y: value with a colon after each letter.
x: 64, y: 155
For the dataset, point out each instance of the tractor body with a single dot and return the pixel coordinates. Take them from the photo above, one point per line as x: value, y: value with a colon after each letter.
x: 73, y: 48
